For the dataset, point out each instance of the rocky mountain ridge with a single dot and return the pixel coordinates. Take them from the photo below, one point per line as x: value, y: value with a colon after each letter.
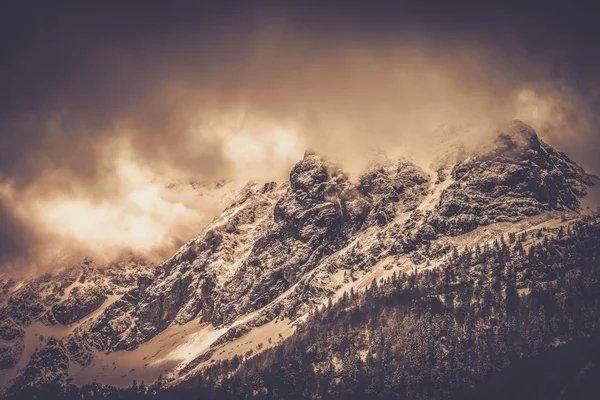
x: 273, y: 255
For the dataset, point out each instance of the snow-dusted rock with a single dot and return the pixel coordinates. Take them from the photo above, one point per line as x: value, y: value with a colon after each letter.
x: 81, y: 302
x: 48, y: 366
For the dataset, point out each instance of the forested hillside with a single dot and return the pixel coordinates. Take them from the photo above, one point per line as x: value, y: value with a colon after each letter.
x: 446, y: 332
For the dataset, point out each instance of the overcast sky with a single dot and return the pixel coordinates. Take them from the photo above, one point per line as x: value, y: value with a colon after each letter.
x: 204, y: 91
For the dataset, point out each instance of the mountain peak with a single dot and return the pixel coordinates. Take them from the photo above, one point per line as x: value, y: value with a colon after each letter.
x: 518, y: 135
x: 309, y: 152
x: 512, y: 141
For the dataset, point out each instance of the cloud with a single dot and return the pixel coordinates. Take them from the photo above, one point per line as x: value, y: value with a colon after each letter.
x: 99, y: 122
x: 14, y: 239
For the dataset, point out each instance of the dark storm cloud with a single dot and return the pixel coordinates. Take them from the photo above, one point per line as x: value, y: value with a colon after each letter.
x: 71, y: 72
x: 78, y: 77
x: 83, y: 65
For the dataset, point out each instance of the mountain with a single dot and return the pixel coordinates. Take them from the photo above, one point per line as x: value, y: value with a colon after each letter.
x: 307, y: 281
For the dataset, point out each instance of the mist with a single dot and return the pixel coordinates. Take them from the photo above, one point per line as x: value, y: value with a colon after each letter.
x: 87, y: 159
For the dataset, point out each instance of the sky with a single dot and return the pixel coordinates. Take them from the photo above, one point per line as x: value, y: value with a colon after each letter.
x: 104, y: 103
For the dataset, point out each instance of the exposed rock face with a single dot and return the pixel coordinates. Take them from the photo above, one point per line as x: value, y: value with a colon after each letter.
x: 315, y: 217
x: 81, y: 302
x: 280, y: 249
x: 266, y: 242
x: 517, y: 175
x: 183, y: 287
x: 394, y: 187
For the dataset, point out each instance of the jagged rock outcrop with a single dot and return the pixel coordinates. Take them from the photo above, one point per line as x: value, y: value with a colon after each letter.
x: 515, y: 176
x: 394, y: 187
